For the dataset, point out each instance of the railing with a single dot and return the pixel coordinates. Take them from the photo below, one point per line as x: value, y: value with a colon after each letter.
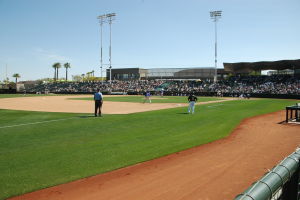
x: 280, y: 183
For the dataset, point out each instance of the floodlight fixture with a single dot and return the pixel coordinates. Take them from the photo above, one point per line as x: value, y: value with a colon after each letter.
x: 215, y: 15
x: 111, y: 15
x: 101, y: 17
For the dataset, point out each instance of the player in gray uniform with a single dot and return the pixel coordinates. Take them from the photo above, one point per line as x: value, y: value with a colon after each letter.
x: 192, y: 100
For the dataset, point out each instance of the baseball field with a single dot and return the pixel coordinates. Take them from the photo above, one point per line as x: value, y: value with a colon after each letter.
x: 51, y: 140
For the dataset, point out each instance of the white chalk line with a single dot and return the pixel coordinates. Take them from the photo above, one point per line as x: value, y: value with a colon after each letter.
x: 215, y: 105
x: 32, y: 123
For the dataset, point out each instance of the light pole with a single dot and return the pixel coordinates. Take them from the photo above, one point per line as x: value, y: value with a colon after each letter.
x: 101, y: 21
x: 101, y: 75
x: 215, y: 15
x: 111, y: 17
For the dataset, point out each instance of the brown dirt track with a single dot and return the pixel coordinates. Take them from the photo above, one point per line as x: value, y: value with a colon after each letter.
x: 216, y: 171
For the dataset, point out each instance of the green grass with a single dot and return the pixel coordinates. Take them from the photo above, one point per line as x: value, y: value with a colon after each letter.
x: 154, y: 99
x: 41, y: 155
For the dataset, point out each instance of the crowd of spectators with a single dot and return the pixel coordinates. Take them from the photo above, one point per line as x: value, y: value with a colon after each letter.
x: 275, y: 84
x: 92, y: 86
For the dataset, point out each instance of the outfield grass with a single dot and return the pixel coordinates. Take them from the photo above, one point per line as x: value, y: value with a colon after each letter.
x: 154, y: 99
x: 40, y: 155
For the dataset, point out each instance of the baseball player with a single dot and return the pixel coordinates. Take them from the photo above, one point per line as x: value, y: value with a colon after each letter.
x: 192, y: 100
x: 147, y: 97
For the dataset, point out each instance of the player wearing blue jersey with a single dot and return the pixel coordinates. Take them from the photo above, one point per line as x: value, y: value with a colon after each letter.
x: 98, y: 98
x: 147, y: 97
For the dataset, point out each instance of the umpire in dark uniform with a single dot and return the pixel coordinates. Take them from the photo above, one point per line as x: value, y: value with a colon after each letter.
x: 98, y: 97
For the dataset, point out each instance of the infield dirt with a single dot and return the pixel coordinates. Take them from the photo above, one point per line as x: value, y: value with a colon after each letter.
x: 216, y: 171
x: 66, y: 104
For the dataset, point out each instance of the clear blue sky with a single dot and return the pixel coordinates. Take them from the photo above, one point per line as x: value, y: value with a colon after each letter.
x: 146, y: 33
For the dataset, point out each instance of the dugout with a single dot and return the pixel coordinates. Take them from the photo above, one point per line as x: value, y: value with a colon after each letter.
x: 293, y: 114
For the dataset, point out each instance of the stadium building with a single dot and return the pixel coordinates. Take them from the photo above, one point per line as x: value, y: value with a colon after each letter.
x: 164, y: 73
x: 206, y: 73
x: 277, y: 67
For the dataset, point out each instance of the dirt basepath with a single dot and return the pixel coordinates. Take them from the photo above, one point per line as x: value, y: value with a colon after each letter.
x: 65, y: 104
x: 215, y: 171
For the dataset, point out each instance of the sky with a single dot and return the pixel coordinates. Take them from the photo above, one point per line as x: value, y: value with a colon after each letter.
x: 35, y: 34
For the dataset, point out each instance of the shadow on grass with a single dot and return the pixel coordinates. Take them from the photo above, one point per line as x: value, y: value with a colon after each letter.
x: 86, y: 116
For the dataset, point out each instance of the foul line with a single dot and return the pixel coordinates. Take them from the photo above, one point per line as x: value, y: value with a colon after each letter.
x: 54, y: 120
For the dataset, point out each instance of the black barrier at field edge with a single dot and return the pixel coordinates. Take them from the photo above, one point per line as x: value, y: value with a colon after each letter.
x: 8, y: 91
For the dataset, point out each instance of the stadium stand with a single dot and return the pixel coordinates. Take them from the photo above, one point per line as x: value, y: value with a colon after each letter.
x: 232, y: 86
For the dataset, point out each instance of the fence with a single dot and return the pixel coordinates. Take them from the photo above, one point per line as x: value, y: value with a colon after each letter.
x: 281, y: 183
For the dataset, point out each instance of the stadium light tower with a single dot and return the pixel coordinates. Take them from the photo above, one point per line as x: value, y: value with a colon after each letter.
x: 101, y: 21
x: 215, y: 16
x: 110, y: 17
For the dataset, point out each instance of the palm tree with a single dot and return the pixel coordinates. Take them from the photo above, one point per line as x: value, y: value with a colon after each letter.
x: 93, y: 73
x: 54, y: 66
x: 88, y: 74
x: 58, y: 65
x: 16, y: 76
x: 67, y: 66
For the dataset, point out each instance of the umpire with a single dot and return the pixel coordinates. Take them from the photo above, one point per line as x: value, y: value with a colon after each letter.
x: 98, y: 97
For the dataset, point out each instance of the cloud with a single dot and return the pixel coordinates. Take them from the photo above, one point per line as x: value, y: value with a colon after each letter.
x: 51, y: 56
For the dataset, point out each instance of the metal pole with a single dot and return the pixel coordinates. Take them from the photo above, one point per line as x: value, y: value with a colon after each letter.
x: 101, y: 61
x: 215, y: 77
x: 6, y: 82
x: 102, y: 20
x: 215, y: 15
x: 101, y: 75
x: 110, y: 22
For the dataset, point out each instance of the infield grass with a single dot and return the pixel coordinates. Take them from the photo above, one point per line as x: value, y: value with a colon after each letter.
x: 154, y: 99
x: 36, y: 156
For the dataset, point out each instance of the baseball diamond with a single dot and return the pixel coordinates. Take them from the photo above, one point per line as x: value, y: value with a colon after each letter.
x: 136, y: 155
x: 149, y: 100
